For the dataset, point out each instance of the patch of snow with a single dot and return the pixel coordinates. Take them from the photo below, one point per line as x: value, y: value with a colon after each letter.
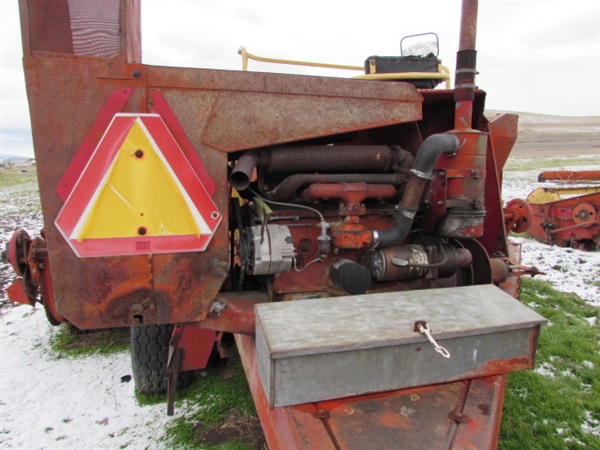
x: 574, y: 440
x: 521, y: 392
x: 50, y: 402
x: 589, y: 364
x: 546, y: 370
x: 581, y: 268
x: 591, y: 425
x: 591, y: 320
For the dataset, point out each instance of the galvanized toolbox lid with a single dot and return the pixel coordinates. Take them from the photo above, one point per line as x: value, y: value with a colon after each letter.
x: 387, y: 319
x: 319, y: 349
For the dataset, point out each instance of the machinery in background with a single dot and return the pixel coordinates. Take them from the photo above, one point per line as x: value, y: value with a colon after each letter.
x: 563, y: 215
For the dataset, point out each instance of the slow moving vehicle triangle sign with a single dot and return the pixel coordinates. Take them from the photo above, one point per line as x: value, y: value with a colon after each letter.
x: 138, y: 194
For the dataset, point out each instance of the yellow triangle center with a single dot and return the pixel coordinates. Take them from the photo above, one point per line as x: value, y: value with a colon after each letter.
x: 138, y: 196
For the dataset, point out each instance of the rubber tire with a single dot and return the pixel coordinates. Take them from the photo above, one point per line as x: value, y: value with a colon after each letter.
x: 149, y: 353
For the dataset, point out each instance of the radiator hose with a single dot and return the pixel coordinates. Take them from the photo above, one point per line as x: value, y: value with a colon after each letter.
x: 420, y: 174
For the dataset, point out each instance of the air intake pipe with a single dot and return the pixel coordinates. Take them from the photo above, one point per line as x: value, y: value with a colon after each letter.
x: 318, y: 158
x: 429, y: 152
x: 242, y: 172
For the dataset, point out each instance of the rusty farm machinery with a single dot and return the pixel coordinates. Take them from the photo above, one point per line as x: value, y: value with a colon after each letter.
x: 348, y: 233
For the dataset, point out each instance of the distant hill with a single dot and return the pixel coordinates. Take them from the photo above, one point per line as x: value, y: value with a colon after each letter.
x: 543, y: 135
x: 15, y: 161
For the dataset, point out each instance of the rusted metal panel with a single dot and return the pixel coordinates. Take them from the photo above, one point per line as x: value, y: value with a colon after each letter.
x: 368, y: 343
x: 125, y: 290
x: 502, y: 130
x: 481, y: 415
x: 410, y: 419
x: 294, y: 427
x: 144, y: 291
x: 460, y: 415
x: 243, y: 110
x: 48, y: 26
x: 417, y: 418
x: 197, y: 345
x: 106, y: 291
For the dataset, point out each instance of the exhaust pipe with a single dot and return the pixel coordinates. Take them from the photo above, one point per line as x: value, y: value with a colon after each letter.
x: 464, y: 91
x: 429, y: 152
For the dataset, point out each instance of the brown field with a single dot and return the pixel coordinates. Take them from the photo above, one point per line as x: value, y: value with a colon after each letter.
x: 544, y: 136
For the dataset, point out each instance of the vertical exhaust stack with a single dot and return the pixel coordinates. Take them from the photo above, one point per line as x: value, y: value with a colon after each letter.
x: 463, y: 158
x: 465, y: 66
x: 466, y: 171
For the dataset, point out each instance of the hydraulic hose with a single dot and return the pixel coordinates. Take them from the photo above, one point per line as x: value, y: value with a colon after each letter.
x: 429, y: 152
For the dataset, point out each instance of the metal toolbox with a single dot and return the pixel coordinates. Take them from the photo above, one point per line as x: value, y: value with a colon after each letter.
x: 320, y: 349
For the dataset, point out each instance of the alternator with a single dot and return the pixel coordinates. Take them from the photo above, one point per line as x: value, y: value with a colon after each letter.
x: 269, y: 249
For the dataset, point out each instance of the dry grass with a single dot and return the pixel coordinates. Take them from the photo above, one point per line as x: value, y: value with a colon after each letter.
x: 245, y: 429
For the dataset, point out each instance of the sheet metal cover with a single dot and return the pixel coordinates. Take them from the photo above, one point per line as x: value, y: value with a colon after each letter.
x: 318, y: 326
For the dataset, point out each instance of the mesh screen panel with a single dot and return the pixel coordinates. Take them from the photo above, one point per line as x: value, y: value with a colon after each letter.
x: 95, y: 27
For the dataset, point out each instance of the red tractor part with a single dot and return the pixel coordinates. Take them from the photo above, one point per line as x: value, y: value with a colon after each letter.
x: 240, y: 191
x: 565, y: 217
x: 29, y: 259
x: 517, y: 216
x: 569, y: 175
x: 446, y: 180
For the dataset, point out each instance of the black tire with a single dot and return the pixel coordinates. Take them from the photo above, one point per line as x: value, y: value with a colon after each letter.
x: 149, y: 353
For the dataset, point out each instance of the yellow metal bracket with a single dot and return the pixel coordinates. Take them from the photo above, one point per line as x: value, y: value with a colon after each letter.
x: 442, y: 74
x: 246, y: 56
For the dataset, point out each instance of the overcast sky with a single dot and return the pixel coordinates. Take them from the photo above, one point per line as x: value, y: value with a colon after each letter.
x: 533, y: 56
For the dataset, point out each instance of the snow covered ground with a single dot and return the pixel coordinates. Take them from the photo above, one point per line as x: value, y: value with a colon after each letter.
x: 62, y: 403
x: 567, y: 269
x: 51, y: 402
x: 48, y: 402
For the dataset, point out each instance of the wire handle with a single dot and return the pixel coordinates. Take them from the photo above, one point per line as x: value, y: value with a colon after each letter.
x: 424, y: 328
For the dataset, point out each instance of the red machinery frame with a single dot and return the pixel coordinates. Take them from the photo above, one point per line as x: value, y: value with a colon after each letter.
x: 202, y: 110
